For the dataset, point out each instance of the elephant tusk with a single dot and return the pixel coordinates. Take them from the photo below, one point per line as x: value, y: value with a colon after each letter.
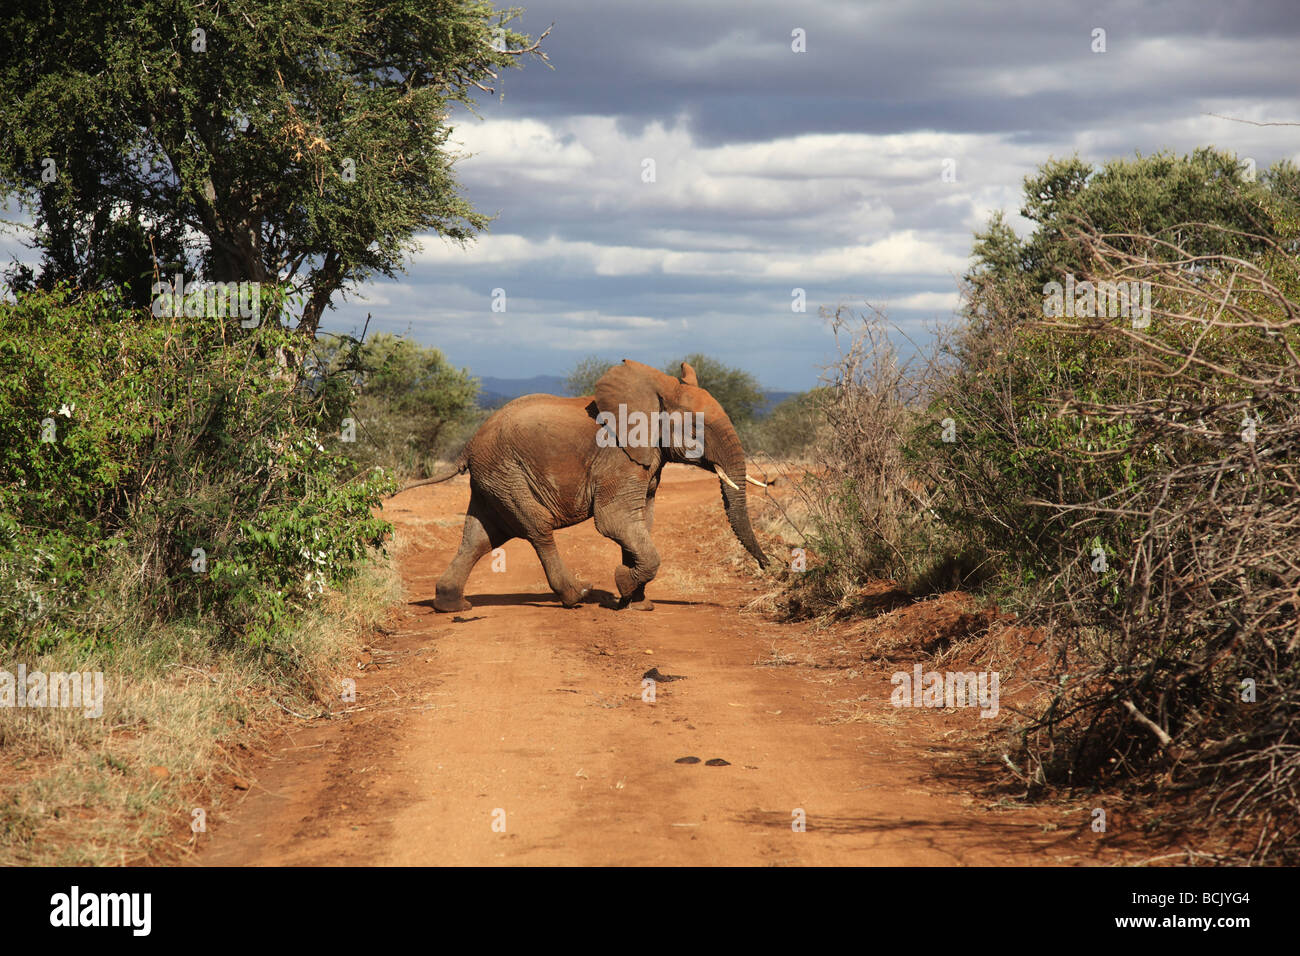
x: 754, y: 481
x: 723, y: 475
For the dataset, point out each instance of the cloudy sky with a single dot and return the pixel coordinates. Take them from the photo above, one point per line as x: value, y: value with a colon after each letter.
x: 819, y: 170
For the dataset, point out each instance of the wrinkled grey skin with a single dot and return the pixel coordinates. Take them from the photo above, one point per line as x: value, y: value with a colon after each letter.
x: 535, y: 466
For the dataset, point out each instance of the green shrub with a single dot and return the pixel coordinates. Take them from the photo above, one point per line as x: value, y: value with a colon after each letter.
x: 789, y: 429
x: 411, y: 406
x: 128, y: 442
x: 1134, y: 485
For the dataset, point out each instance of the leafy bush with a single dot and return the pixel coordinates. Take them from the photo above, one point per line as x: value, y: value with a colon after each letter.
x: 582, y: 378
x: 165, y: 469
x: 411, y: 405
x: 1134, y: 484
x: 789, y: 429
x: 1018, y: 382
x: 1130, y: 482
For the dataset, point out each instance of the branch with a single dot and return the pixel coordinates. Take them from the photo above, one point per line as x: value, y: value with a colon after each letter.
x: 1165, y: 740
x: 1235, y: 119
x: 536, y: 44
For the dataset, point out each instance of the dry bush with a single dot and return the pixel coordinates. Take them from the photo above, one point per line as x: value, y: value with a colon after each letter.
x: 864, y: 511
x: 1140, y: 485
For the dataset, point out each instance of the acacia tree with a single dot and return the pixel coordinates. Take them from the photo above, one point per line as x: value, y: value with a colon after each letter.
x: 582, y: 378
x: 736, y: 390
x: 409, y: 403
x: 302, y: 143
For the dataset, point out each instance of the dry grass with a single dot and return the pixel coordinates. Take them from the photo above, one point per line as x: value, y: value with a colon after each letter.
x: 686, y: 580
x: 119, y: 789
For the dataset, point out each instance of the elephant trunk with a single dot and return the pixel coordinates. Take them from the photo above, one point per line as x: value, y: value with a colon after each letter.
x: 725, y: 451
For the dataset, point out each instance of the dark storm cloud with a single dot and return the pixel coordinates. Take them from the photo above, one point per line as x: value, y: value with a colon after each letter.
x: 891, y: 67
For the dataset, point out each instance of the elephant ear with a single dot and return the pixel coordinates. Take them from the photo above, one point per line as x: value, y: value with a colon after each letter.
x: 688, y: 376
x: 629, y: 385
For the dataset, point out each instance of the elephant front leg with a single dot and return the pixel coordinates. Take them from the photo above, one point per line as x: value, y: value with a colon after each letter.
x: 631, y: 593
x: 640, y: 565
x: 627, y: 574
x: 623, y: 517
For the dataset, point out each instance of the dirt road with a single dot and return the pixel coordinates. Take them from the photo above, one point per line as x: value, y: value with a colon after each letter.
x: 519, y: 734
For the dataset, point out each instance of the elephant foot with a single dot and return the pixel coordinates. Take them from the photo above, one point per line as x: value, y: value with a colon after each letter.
x: 628, y: 588
x: 635, y: 603
x: 450, y: 605
x: 632, y: 594
x: 573, y: 599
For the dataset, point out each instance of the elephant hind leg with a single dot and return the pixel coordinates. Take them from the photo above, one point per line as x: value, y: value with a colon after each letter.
x: 481, y: 535
x: 562, y: 582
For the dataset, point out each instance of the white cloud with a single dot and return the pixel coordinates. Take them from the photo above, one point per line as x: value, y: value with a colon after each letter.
x: 593, y: 318
x: 930, y: 301
x: 526, y: 148
x: 900, y: 253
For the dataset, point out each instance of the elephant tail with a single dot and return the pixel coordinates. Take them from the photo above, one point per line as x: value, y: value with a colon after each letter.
x: 459, y: 468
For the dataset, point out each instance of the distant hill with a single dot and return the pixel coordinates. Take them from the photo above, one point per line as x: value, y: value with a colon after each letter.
x: 495, y: 392
x: 773, y: 399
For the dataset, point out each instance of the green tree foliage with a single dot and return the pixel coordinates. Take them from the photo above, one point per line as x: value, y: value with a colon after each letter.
x: 303, y: 143
x: 127, y: 442
x: 1156, y: 195
x: 582, y: 379
x: 736, y: 390
x: 412, y: 404
x: 1132, y: 478
x: 790, y: 428
x: 1013, y: 375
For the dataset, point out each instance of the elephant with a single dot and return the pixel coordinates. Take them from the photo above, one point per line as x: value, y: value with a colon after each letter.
x: 543, y: 462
